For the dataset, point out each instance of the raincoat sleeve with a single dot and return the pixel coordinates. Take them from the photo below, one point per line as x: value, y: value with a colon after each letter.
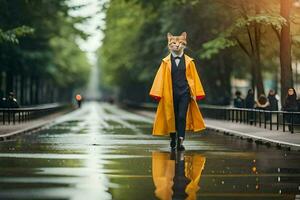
x: 157, y: 86
x: 200, y: 94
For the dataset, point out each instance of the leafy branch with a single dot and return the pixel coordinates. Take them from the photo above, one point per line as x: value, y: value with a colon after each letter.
x: 13, y: 34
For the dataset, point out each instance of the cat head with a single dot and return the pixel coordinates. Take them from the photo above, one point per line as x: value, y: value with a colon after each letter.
x: 177, y: 44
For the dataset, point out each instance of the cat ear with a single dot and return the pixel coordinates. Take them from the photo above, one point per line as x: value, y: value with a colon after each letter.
x: 184, y: 34
x: 169, y: 35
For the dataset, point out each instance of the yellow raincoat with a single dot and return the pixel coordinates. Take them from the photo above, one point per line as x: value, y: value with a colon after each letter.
x: 163, y: 173
x: 164, y: 122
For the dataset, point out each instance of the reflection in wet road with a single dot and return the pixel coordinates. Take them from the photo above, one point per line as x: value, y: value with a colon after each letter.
x: 103, y: 152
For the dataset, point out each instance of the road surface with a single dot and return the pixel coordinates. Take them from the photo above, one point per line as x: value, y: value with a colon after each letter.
x: 103, y: 152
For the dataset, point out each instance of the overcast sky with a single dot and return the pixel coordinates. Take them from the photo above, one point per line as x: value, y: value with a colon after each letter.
x: 92, y: 8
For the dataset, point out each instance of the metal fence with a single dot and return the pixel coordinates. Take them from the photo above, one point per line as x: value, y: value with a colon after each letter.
x: 20, y: 115
x: 256, y: 117
x: 273, y: 120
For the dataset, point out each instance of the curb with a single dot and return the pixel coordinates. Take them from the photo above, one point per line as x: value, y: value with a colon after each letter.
x: 258, y: 140
x: 250, y: 138
x: 32, y: 129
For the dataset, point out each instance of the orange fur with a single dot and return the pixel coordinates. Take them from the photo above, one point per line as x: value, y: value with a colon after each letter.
x: 177, y: 44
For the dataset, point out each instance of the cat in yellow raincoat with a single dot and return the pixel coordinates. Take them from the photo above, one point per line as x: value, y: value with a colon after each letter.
x: 177, y: 87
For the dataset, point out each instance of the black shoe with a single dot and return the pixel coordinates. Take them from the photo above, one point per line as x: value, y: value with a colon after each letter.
x: 173, y: 144
x: 180, y: 146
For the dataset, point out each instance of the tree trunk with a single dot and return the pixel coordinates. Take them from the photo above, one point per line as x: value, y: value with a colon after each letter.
x: 22, y: 89
x: 285, y: 49
x: 256, y: 66
x: 31, y: 85
x: 37, y: 89
x: 253, y: 76
x: 9, y: 82
x: 257, y: 55
x: 225, y: 84
x: 1, y: 87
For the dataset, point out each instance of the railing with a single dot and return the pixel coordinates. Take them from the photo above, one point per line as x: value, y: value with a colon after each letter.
x: 255, y: 117
x: 20, y: 115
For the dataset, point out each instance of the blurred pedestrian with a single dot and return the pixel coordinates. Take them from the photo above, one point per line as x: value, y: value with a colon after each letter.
x: 249, y: 104
x: 290, y: 105
x: 238, y: 101
x: 2, y: 100
x: 78, y: 98
x: 273, y: 100
x: 11, y: 101
x: 262, y: 103
x: 249, y: 101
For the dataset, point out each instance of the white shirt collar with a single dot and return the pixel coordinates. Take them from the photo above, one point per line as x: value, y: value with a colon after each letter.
x: 175, y: 55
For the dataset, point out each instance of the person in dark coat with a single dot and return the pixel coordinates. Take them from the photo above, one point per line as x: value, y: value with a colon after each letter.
x: 238, y: 101
x: 2, y: 100
x: 249, y: 104
x: 11, y: 102
x: 249, y: 101
x: 290, y: 104
x: 273, y: 100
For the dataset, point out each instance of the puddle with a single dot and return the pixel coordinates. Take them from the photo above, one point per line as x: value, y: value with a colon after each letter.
x: 91, y: 156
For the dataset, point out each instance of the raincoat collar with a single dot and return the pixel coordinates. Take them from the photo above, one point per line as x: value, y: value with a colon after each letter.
x: 167, y: 59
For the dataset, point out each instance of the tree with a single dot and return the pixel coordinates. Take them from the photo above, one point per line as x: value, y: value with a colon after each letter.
x: 285, y: 49
x: 246, y: 32
x: 33, y: 64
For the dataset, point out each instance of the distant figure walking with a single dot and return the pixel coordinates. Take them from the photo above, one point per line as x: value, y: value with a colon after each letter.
x: 78, y: 99
x: 273, y: 100
x: 238, y: 101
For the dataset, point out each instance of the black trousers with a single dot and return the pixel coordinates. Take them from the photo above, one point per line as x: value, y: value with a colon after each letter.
x: 181, y: 103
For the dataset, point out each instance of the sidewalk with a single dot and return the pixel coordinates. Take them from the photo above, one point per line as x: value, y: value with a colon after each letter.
x: 9, y: 130
x: 259, y: 135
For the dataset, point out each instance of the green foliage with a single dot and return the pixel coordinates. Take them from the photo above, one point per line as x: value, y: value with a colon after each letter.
x: 14, y: 34
x: 275, y: 21
x: 227, y: 38
x: 130, y: 50
x: 40, y: 41
x: 135, y: 41
x: 214, y: 46
x: 70, y: 66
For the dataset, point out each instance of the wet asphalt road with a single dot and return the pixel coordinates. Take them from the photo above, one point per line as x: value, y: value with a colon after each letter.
x: 103, y: 152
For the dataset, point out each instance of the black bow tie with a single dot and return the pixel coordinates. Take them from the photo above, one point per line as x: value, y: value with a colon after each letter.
x: 177, y: 57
